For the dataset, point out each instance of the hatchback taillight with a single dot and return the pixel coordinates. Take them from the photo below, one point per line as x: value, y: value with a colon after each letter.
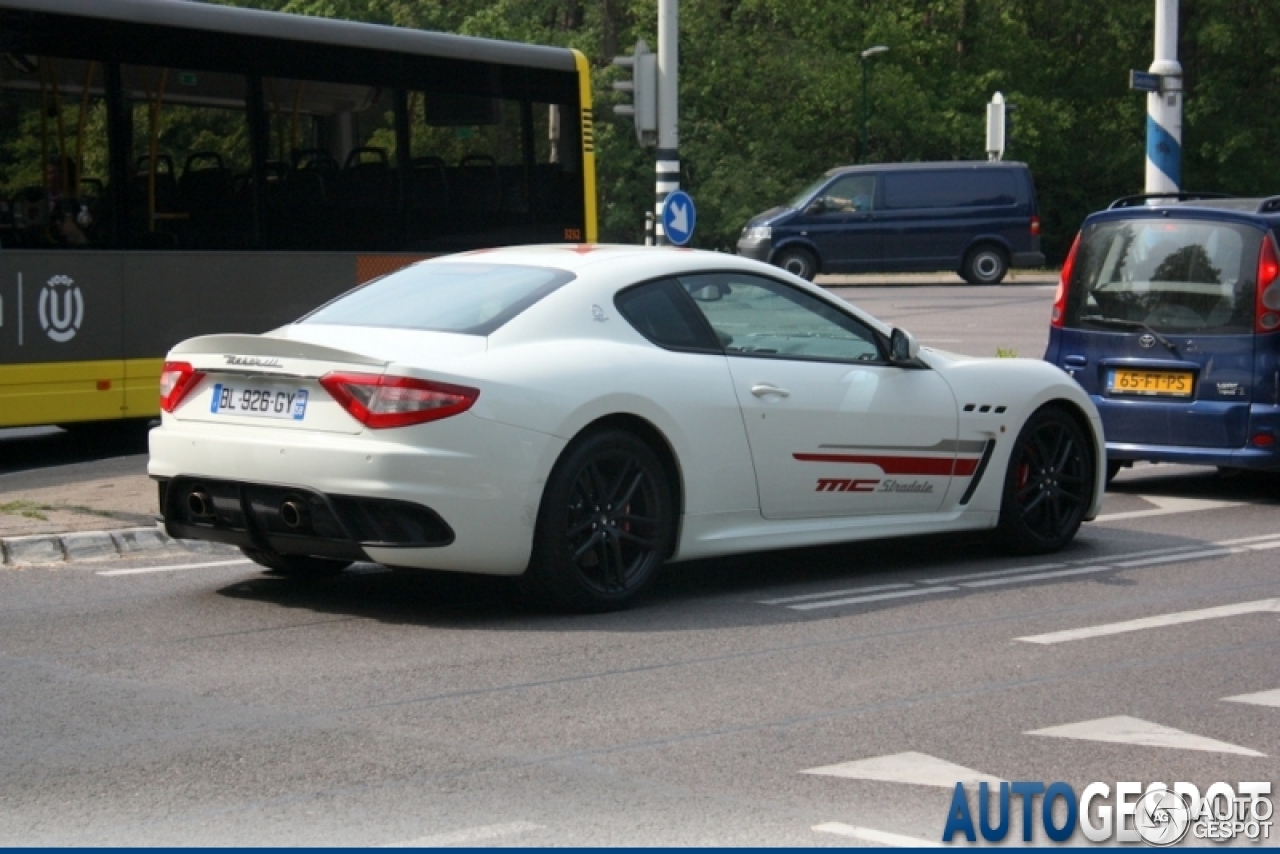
x: 1060, y: 298
x: 1267, y: 313
x: 177, y: 379
x: 382, y: 401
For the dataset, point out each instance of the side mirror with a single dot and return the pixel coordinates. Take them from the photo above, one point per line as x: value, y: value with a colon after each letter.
x: 903, y: 346
x: 817, y: 206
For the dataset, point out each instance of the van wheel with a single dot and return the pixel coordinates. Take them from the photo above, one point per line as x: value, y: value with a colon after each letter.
x: 798, y: 262
x: 984, y: 265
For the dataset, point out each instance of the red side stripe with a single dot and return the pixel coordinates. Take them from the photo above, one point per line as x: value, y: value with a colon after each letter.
x: 959, y: 466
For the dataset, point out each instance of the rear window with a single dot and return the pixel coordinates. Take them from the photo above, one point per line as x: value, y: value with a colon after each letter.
x: 472, y: 299
x: 1168, y: 275
x: 943, y: 189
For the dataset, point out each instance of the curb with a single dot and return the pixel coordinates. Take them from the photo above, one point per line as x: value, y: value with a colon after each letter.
x: 45, y: 549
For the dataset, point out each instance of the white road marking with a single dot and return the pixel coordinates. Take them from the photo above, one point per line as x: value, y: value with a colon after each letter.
x: 993, y: 573
x: 918, y: 769
x: 1262, y: 698
x: 1166, y: 505
x: 1173, y: 619
x: 1126, y: 730
x: 1059, y: 573
x: 857, y: 600
x: 470, y: 836
x: 869, y: 834
x: 175, y: 567
x: 810, y: 596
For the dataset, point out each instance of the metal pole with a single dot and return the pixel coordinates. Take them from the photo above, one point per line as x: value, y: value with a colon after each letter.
x: 1164, y: 107
x: 862, y: 138
x: 667, y: 171
x: 865, y: 55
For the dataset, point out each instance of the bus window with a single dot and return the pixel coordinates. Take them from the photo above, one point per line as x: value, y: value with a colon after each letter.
x: 53, y: 152
x: 333, y: 161
x: 190, y: 149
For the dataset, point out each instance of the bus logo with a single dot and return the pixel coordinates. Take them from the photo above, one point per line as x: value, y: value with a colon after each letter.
x: 61, y: 308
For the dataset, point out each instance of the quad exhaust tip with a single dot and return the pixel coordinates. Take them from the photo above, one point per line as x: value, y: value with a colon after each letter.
x: 293, y: 513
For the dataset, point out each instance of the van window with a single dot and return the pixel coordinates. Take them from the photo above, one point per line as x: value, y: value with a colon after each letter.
x: 848, y: 194
x: 1178, y: 276
x: 944, y: 189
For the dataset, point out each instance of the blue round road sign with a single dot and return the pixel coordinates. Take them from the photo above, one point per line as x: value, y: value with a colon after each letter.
x: 678, y: 217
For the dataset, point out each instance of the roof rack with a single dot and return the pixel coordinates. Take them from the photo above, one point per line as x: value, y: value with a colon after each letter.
x: 1143, y: 198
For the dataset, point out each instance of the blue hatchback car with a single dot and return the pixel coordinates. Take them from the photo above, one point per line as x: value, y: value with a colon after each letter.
x: 1168, y: 314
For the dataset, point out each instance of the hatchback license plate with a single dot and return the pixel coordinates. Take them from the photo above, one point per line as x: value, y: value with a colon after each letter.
x: 259, y: 401
x: 1170, y: 383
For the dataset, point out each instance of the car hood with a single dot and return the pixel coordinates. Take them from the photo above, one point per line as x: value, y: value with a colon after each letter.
x: 769, y: 216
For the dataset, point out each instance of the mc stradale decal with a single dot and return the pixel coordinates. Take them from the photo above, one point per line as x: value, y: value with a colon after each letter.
x: 252, y: 361
x: 961, y: 460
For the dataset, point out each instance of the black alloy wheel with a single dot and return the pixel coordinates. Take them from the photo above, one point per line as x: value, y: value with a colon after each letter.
x: 606, y: 523
x: 1049, y: 484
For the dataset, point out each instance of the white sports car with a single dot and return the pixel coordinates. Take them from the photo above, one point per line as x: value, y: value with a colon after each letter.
x: 582, y: 414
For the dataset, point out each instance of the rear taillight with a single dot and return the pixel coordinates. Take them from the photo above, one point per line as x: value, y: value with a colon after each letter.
x: 1267, y: 313
x: 1060, y: 298
x: 177, y: 379
x: 1035, y: 226
x: 382, y: 401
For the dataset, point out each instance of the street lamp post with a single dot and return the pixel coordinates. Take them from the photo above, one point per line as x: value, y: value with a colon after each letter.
x: 866, y: 54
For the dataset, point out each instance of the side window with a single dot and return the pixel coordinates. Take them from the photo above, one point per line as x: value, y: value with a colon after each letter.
x: 755, y: 316
x: 662, y: 314
x: 848, y: 194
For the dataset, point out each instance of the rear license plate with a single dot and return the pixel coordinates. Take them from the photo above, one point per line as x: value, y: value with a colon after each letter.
x: 260, y: 401
x: 1163, y: 383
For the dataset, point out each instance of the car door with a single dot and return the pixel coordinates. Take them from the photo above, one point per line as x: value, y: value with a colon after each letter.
x: 834, y: 429
x: 841, y: 222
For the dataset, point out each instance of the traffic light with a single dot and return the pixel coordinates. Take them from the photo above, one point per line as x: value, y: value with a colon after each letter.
x: 643, y: 87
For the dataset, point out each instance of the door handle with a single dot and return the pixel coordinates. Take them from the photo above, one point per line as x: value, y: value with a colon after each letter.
x: 761, y: 389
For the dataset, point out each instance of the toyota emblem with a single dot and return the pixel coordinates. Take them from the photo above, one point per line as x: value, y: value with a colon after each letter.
x: 1147, y: 340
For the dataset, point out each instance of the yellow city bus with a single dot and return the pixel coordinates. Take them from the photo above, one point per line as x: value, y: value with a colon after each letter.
x: 169, y: 169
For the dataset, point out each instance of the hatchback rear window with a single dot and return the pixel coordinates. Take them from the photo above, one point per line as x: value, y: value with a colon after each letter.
x: 1168, y: 275
x: 472, y: 299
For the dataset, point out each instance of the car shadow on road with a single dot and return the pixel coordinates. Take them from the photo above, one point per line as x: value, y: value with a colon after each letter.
x: 718, y: 593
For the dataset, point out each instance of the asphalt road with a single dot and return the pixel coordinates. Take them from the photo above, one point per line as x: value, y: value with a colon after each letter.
x: 806, y: 698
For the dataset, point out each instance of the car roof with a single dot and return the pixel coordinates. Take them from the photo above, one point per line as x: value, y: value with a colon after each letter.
x: 577, y: 257
x: 926, y: 167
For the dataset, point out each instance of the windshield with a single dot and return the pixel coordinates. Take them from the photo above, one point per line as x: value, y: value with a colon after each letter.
x: 472, y: 299
x: 807, y: 193
x: 1165, y: 275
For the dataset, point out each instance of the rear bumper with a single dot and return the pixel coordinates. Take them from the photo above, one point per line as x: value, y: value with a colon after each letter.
x: 460, y: 494
x: 1027, y: 259
x: 1241, y: 458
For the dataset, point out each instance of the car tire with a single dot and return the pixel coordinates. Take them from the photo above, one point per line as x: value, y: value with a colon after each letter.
x: 984, y: 265
x: 605, y: 526
x: 798, y: 262
x: 1048, y: 485
x: 296, y: 566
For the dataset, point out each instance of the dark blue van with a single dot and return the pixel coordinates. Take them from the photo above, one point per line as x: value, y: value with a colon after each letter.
x: 1168, y: 314
x: 978, y: 218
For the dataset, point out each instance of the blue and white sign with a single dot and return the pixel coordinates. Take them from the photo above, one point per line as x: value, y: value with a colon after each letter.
x: 678, y: 217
